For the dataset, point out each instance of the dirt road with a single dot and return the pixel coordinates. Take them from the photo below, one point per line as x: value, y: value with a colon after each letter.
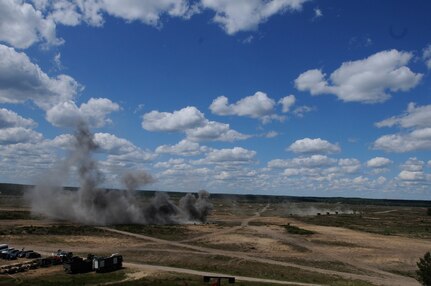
x: 350, y: 260
x: 244, y: 223
x: 389, y: 280
x: 148, y: 267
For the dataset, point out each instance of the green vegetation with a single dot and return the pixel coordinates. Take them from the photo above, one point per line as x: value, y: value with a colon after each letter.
x: 169, y: 232
x: 235, y: 266
x: 15, y: 215
x: 403, y: 221
x: 197, y: 281
x: 334, y: 243
x: 257, y: 223
x: 323, y: 264
x: 63, y: 279
x: 424, y: 271
x: 50, y: 230
x: 225, y: 223
x: 297, y: 230
x: 179, y: 281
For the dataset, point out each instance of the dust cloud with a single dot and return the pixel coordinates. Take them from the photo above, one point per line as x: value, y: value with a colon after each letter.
x: 93, y: 205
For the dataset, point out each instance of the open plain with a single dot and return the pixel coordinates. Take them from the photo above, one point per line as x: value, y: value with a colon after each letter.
x: 261, y: 240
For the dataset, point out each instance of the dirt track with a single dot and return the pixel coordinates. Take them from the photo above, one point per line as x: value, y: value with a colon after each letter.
x: 369, y: 252
x: 374, y: 274
x: 147, y: 267
x: 390, y: 280
x: 244, y: 223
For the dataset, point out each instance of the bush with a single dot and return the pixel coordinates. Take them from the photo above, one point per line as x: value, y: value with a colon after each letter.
x: 429, y: 211
x: 296, y: 230
x: 424, y: 271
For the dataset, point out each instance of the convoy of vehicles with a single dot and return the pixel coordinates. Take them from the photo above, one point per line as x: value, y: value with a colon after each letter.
x: 71, y: 264
x: 10, y: 253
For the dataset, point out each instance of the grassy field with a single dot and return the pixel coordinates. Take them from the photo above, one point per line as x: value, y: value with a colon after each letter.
x: 285, y: 232
x: 115, y: 278
x: 218, y: 263
x: 12, y: 214
x: 405, y: 221
x: 61, y: 278
x: 169, y: 232
x: 297, y: 230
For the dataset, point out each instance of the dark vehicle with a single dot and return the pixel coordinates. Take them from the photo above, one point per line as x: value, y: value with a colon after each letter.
x: 63, y: 255
x: 48, y: 261
x: 3, y: 246
x: 77, y: 264
x: 55, y: 260
x: 12, y: 270
x: 106, y: 264
x: 4, y: 253
x: 23, y: 253
x: 12, y: 255
x: 32, y: 254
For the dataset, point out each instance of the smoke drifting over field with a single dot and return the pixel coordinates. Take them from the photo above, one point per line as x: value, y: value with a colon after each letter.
x: 93, y: 205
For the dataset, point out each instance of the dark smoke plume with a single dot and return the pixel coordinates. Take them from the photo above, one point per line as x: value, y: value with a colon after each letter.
x: 133, y: 180
x: 93, y: 205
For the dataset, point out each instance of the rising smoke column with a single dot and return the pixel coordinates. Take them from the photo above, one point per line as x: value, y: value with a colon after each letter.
x: 196, y: 209
x: 96, y: 206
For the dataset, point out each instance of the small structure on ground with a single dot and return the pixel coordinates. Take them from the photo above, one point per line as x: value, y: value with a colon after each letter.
x: 216, y: 280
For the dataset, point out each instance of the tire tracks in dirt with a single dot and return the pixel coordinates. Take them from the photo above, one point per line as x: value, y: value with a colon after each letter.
x: 302, y: 242
x: 392, y: 280
x: 244, y: 224
x: 204, y: 273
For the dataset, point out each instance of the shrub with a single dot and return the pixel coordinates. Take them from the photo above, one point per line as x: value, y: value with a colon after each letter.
x: 296, y: 230
x: 424, y: 271
x: 429, y: 211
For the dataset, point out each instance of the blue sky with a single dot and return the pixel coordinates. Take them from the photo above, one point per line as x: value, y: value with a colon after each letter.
x: 293, y: 97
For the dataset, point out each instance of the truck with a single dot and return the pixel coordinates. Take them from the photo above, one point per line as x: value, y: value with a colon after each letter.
x: 5, y: 252
x: 62, y: 255
x: 77, y: 264
x: 107, y: 264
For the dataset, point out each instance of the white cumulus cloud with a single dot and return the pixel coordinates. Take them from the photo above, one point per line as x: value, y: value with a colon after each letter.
x: 246, y: 15
x: 415, y: 133
x: 236, y: 154
x: 22, y: 25
x: 16, y: 135
x: 414, y: 117
x: 10, y: 119
x: 258, y: 105
x: 349, y: 165
x: 22, y: 80
x: 426, y: 56
x: 405, y: 142
x: 378, y: 162
x: 287, y: 102
x: 314, y: 161
x: 193, y: 122
x: 317, y: 146
x: 148, y: 12
x: 412, y: 170
x: 182, y: 148
x: 94, y: 113
x: 114, y: 145
x: 370, y: 80
x: 180, y: 120
x: 215, y: 131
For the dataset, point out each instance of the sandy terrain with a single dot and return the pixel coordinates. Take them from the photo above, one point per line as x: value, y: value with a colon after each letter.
x: 255, y: 238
